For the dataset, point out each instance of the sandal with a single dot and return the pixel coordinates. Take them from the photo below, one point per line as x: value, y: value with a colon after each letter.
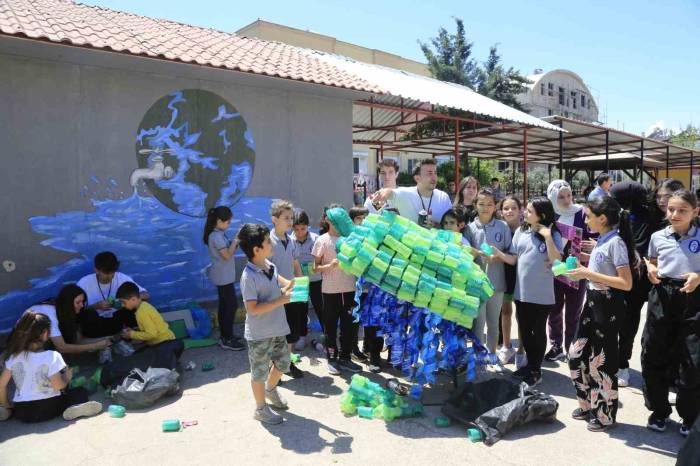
x: 397, y: 387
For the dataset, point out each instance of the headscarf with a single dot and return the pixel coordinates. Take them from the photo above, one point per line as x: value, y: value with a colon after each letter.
x: 566, y: 216
x: 631, y: 195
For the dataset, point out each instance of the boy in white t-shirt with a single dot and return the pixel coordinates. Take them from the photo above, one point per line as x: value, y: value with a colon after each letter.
x: 40, y: 376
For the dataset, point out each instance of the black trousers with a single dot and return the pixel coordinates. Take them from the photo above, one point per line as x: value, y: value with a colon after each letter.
x: 629, y: 323
x: 593, y: 355
x: 532, y: 322
x: 296, y: 314
x: 94, y: 326
x: 316, y: 298
x: 228, y: 305
x: 338, y: 306
x: 374, y: 344
x: 167, y: 353
x: 671, y: 350
x: 49, y: 408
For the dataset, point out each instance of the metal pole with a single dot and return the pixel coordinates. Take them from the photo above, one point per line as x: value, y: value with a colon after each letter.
x: 514, y: 164
x: 607, y: 151
x: 525, y: 165
x: 456, y: 153
x: 478, y: 168
x: 690, y: 185
x: 668, y: 149
x: 549, y: 172
x: 376, y: 165
x: 641, y: 164
x: 561, y: 151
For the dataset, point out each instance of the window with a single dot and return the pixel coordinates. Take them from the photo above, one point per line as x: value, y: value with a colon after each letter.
x: 583, y: 100
x: 542, y: 88
x: 411, y: 163
x: 574, y: 102
x: 503, y: 166
x: 566, y: 114
x: 550, y: 112
x: 562, y: 100
x: 355, y: 165
x: 550, y: 90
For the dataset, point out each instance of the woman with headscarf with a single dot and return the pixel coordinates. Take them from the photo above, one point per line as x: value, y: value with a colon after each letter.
x: 569, y: 300
x: 632, y: 196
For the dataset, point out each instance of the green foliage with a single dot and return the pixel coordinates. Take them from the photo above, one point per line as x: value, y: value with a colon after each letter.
x: 689, y: 137
x: 498, y: 83
x: 483, y: 172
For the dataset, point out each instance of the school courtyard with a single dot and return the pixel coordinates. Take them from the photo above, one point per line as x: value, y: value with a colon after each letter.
x: 316, y: 432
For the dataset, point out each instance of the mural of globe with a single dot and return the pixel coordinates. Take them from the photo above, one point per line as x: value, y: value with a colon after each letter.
x: 194, y: 151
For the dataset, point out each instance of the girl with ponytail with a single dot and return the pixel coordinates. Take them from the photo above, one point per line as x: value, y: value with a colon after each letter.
x: 593, y: 356
x: 222, y: 272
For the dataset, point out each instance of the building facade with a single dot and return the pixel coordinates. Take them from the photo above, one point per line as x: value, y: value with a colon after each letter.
x: 559, y: 92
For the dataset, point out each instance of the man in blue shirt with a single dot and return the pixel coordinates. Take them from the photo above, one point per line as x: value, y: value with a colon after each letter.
x: 604, y: 182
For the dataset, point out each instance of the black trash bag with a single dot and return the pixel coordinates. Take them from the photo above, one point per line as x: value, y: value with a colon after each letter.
x: 142, y: 389
x: 498, y: 404
x: 689, y: 454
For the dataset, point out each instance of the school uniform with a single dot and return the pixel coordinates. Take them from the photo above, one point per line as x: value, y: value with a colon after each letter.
x: 95, y: 323
x: 593, y: 355
x: 495, y: 233
x: 671, y: 337
x: 534, y: 292
x: 284, y: 253
x: 306, y: 259
x: 222, y: 274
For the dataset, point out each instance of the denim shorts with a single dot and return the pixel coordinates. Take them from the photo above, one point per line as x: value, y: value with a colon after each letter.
x: 262, y: 352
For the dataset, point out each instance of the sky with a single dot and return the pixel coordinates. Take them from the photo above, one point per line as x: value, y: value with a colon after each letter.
x: 638, y: 58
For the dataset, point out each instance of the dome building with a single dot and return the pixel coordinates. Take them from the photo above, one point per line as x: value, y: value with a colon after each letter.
x: 559, y: 92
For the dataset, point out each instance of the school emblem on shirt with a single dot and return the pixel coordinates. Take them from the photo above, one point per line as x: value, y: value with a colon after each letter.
x: 694, y: 246
x: 499, y: 237
x: 599, y: 257
x: 542, y: 248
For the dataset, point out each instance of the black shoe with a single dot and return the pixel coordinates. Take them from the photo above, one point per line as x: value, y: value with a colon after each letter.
x: 555, y: 353
x: 233, y: 344
x: 522, y: 372
x: 685, y: 430
x: 533, y: 379
x: 295, y: 372
x: 656, y: 424
x: 581, y: 415
x: 594, y: 425
x: 348, y: 365
x: 375, y: 366
x: 359, y: 355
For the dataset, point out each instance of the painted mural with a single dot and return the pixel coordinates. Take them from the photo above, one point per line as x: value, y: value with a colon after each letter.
x: 193, y: 151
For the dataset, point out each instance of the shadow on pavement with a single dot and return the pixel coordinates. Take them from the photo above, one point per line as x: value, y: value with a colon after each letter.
x: 302, y: 435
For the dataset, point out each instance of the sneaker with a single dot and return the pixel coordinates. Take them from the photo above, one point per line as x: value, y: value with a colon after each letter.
x: 533, y: 379
x: 520, y: 360
x: 375, y: 367
x: 275, y: 399
x: 555, y: 353
x: 684, y: 430
x: 657, y: 425
x: 522, y: 372
x: 581, y: 415
x: 5, y: 413
x: 359, y: 355
x: 295, y: 372
x: 594, y: 425
x: 333, y: 367
x: 300, y: 344
x: 623, y: 378
x: 318, y: 346
x: 267, y: 416
x: 233, y: 344
x: 348, y: 365
x: 505, y: 355
x: 87, y: 409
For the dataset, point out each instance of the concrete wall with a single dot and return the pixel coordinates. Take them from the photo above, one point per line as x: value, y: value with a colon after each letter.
x: 68, y: 127
x: 538, y: 104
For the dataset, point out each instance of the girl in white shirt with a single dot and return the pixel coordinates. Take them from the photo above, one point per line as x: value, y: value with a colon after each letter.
x: 41, y: 377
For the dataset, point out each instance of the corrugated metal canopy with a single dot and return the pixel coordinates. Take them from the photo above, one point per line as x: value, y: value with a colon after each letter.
x: 423, y: 92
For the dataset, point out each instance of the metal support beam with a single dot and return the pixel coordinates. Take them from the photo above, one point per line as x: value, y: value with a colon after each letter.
x: 456, y: 153
x: 376, y: 166
x: 641, y: 163
x: 561, y: 150
x: 690, y: 183
x: 478, y: 168
x: 525, y: 165
x: 513, y: 164
x: 668, y: 152
x: 607, y: 151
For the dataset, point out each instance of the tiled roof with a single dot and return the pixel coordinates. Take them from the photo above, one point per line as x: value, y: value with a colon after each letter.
x: 63, y: 21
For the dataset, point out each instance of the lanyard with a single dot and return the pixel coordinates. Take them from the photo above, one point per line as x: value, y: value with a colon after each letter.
x: 429, y: 202
x: 99, y: 287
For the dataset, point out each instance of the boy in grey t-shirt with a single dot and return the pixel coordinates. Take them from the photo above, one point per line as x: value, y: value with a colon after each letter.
x: 265, y: 293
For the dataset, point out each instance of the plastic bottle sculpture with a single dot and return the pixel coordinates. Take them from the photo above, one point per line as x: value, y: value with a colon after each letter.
x: 429, y: 268
x: 300, y: 290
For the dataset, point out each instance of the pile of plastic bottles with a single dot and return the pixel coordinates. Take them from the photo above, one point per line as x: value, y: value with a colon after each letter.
x: 369, y: 400
x: 300, y: 291
x: 428, y: 268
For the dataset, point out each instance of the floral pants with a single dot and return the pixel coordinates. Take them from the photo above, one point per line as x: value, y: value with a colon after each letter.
x: 593, y: 355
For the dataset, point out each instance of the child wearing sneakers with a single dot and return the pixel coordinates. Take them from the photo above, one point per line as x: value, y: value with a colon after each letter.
x: 41, y: 377
x: 265, y: 293
x: 338, y: 290
x: 285, y: 258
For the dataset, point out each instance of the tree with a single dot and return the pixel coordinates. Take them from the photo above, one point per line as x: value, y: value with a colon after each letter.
x: 500, y: 84
x: 689, y: 137
x: 450, y: 58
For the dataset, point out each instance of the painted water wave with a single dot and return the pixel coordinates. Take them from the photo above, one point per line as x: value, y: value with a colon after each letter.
x: 161, y: 249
